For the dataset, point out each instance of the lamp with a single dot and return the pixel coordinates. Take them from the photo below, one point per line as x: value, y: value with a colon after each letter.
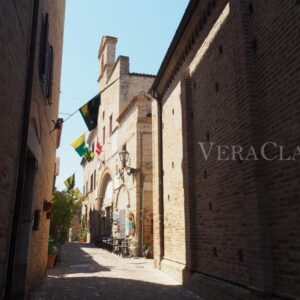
x: 124, y: 155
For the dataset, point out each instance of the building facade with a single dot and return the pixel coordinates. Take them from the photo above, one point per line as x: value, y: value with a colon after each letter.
x: 120, y: 205
x: 230, y: 77
x: 31, y: 38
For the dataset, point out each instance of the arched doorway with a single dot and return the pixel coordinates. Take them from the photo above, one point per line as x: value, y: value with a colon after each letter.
x: 106, y: 206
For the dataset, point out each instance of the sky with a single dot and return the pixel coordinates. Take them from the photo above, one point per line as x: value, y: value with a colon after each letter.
x: 144, y: 30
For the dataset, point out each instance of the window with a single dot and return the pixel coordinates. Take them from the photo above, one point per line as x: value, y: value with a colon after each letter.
x: 92, y: 182
x: 93, y: 147
x: 43, y: 45
x: 83, y: 190
x: 86, y: 188
x: 103, y: 137
x: 103, y: 115
x: 46, y: 60
x: 94, y: 179
x: 110, y: 125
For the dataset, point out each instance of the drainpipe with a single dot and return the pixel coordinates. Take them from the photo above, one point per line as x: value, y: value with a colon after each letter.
x: 23, y: 151
x: 160, y: 175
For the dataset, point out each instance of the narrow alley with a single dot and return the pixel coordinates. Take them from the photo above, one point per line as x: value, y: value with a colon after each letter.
x: 88, y: 272
x: 151, y: 149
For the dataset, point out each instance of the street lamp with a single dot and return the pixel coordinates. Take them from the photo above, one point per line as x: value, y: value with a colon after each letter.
x: 124, y: 155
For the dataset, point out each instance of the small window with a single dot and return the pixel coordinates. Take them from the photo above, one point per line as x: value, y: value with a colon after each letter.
x: 110, y: 125
x: 103, y: 137
x: 103, y: 115
x: 92, y: 182
x: 94, y: 179
x: 93, y: 147
x: 83, y: 190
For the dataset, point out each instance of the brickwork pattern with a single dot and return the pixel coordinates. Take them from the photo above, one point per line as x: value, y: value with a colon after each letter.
x: 240, y: 217
x: 15, y: 22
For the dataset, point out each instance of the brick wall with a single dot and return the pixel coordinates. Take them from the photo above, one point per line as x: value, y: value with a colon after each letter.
x: 15, y: 22
x: 236, y: 85
x: 12, y: 69
x: 47, y: 113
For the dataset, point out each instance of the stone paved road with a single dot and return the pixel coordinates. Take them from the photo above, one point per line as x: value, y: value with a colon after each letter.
x: 87, y: 272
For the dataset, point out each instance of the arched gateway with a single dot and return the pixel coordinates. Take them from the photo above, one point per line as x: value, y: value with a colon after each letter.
x: 106, y: 192
x: 115, y: 218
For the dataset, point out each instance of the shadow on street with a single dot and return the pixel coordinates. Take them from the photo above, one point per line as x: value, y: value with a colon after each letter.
x: 88, y: 272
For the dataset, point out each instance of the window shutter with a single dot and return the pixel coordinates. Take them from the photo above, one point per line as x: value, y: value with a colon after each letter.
x: 50, y: 75
x: 46, y: 60
x: 43, y: 45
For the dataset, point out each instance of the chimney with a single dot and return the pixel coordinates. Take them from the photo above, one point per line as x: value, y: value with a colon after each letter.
x: 107, y: 56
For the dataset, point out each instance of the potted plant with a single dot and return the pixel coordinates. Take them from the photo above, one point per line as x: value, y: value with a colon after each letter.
x: 82, y: 236
x: 75, y: 237
x: 52, y: 252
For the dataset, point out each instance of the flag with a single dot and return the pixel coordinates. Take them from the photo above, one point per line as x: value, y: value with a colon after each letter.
x: 90, y: 156
x: 98, y: 148
x: 89, y: 112
x: 70, y: 182
x: 80, y: 146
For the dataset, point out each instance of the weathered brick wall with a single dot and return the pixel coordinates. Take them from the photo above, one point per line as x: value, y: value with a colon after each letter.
x: 276, y: 66
x: 15, y: 23
x: 217, y: 186
x: 15, y: 37
x: 47, y: 113
x: 240, y: 88
x: 155, y: 187
x: 174, y: 217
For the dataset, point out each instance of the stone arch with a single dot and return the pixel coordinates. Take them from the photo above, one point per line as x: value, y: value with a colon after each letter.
x: 103, y: 182
x: 122, y: 199
x: 105, y: 196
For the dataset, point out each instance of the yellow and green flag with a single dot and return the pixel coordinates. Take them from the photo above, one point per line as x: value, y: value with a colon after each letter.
x: 70, y: 182
x: 89, y: 112
x: 80, y: 146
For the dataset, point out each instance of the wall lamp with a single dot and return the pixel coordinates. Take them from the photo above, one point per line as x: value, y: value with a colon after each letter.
x: 124, y: 155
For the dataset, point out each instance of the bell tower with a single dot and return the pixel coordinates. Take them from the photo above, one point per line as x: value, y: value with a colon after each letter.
x: 107, y: 57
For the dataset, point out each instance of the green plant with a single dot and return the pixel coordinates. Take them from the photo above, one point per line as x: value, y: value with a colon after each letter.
x: 52, y: 246
x: 82, y: 233
x: 75, y: 237
x: 62, y: 211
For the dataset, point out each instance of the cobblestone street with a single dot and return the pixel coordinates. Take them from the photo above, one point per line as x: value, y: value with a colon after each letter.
x: 87, y: 272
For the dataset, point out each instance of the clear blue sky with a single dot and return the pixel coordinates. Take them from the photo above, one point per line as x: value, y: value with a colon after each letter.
x: 144, y: 30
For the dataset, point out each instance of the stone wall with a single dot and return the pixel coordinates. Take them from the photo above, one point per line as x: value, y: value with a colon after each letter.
x: 124, y: 119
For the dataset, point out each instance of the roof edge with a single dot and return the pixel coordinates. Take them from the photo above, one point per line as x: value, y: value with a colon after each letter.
x: 175, y: 41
